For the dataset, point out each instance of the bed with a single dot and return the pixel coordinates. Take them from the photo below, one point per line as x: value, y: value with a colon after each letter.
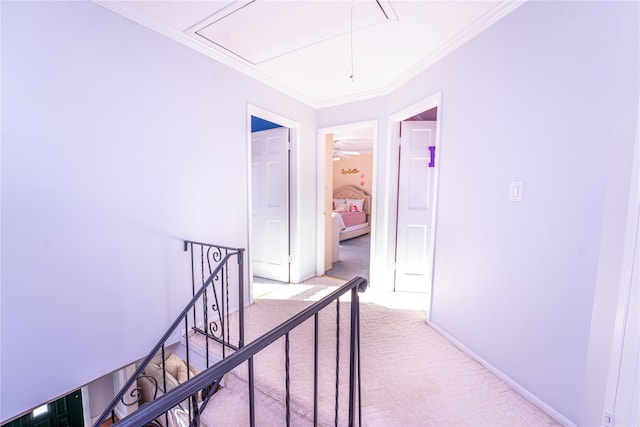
x: 351, y: 212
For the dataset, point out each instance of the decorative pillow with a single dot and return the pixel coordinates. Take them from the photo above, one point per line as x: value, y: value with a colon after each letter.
x: 343, y: 207
x: 183, y: 375
x: 357, y: 203
x: 148, y: 388
x: 338, y: 202
x: 178, y: 417
x: 174, y: 365
x: 155, y: 371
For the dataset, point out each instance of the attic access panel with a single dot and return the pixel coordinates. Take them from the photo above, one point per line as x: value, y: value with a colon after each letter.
x: 258, y: 31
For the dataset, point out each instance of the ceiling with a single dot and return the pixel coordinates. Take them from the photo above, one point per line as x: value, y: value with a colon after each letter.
x: 321, y: 52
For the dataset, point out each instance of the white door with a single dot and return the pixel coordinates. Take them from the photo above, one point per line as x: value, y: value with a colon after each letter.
x: 270, y: 204
x: 415, y: 207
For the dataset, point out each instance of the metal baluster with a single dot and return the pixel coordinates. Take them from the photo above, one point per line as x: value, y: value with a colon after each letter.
x: 352, y: 354
x: 316, y: 327
x: 359, y: 377
x: 195, y: 418
x: 186, y: 337
x: 205, y: 309
x: 193, y: 277
x: 226, y: 284
x: 164, y: 381
x: 337, y: 356
x: 252, y: 404
x: 287, y: 380
x: 252, y: 407
x: 222, y: 312
x: 241, y: 297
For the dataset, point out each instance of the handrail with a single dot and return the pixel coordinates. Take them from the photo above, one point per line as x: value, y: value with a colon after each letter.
x: 162, y: 404
x: 187, y: 242
x: 103, y: 417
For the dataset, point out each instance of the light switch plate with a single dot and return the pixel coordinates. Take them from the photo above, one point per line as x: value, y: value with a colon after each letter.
x: 515, y: 191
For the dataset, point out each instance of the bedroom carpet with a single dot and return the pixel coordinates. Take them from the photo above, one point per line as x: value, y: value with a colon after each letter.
x: 354, y: 258
x: 411, y: 375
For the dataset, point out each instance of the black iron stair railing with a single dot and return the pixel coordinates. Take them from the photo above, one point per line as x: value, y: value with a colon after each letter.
x: 214, y: 314
x: 164, y: 403
x: 207, y: 315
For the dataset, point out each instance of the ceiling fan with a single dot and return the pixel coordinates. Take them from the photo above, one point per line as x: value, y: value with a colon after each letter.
x: 338, y: 152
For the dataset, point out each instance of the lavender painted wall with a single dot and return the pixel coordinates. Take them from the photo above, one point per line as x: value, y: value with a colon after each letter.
x: 541, y: 98
x: 117, y: 143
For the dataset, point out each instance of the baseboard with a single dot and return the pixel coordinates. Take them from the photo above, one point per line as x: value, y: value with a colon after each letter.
x: 514, y: 385
x: 307, y: 277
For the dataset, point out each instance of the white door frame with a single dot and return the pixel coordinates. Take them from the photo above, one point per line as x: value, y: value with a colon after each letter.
x: 294, y: 128
x: 320, y: 191
x: 394, y: 136
x: 623, y: 384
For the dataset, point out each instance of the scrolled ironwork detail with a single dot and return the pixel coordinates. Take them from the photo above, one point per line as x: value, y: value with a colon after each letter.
x: 136, y: 394
x: 215, y: 253
x: 155, y: 385
x: 217, y: 278
x: 214, y: 328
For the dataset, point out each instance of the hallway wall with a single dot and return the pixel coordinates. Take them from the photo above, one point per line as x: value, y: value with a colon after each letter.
x: 515, y: 282
x: 117, y: 143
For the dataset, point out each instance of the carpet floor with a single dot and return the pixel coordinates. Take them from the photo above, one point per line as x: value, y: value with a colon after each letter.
x: 411, y: 375
x: 353, y: 259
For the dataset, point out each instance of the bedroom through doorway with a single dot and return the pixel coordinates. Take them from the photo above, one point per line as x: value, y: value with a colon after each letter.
x: 348, y: 200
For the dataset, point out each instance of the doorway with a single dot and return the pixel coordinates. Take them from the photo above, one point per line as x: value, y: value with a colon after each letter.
x: 347, y: 187
x: 270, y: 214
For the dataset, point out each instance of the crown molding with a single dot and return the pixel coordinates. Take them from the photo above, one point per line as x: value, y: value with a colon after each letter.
x: 486, y: 21
x: 499, y: 12
x: 128, y: 10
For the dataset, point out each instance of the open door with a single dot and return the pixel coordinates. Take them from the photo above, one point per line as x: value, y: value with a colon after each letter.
x: 270, y: 203
x: 414, y: 241
x: 66, y: 411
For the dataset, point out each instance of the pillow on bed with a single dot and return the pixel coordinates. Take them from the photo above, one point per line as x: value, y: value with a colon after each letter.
x: 357, y: 203
x: 342, y: 207
x: 338, y: 202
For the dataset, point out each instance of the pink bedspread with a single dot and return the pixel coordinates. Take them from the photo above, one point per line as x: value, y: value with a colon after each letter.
x: 353, y: 218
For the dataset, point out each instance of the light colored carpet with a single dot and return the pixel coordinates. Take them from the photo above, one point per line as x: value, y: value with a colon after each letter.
x: 411, y: 375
